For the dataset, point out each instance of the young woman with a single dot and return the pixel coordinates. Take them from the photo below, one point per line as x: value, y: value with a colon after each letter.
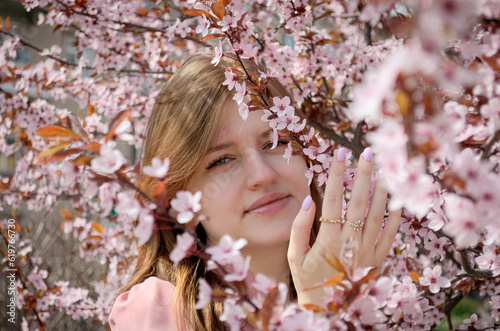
x: 249, y: 191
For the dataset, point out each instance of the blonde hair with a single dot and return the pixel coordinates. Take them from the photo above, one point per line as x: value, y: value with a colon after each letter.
x: 184, y: 122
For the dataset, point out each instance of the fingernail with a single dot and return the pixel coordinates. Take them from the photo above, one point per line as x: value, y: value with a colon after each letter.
x: 367, y: 154
x: 381, y: 173
x: 341, y: 154
x: 306, y: 204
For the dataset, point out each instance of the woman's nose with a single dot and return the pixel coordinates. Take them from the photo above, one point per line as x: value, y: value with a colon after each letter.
x: 260, y: 172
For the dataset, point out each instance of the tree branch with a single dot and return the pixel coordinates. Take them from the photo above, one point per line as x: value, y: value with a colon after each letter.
x: 488, y: 145
x: 468, y: 267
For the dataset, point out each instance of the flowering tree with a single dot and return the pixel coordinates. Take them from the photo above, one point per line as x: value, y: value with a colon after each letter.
x: 416, y: 80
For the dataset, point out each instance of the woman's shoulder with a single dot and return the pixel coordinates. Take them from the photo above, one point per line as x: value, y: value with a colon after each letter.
x: 147, y: 306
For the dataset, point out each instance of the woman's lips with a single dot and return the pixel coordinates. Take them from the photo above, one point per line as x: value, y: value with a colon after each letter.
x: 271, y: 207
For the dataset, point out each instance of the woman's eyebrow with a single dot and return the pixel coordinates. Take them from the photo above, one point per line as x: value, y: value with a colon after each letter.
x: 215, y: 148
x: 219, y: 147
x: 267, y: 133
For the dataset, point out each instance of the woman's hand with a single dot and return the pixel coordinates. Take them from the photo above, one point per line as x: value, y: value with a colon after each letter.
x: 308, y: 264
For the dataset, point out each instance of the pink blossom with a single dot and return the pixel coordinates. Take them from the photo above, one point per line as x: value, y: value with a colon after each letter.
x: 495, y: 307
x: 488, y: 258
x: 229, y: 21
x: 184, y: 244
x: 233, y: 314
x: 380, y: 290
x: 436, y: 246
x: 225, y: 249
x: 144, y: 228
x: 243, y: 109
x: 218, y: 53
x: 204, y: 294
x: 231, y: 79
x: 281, y: 106
x: 313, y: 151
x: 365, y: 309
x: 36, y: 278
x: 288, y: 153
x: 128, y: 205
x: 241, y: 91
x: 263, y: 284
x: 157, y: 169
x: 238, y: 268
x: 433, y: 279
x: 463, y: 222
x: 109, y: 161
x: 473, y: 321
x: 203, y: 25
x: 304, y: 320
x: 186, y: 204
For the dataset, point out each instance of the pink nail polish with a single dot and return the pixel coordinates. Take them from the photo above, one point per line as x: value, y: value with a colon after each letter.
x: 306, y: 204
x: 368, y: 154
x: 341, y: 154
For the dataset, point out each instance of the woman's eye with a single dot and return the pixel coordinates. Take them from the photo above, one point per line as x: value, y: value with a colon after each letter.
x: 280, y: 143
x: 218, y: 162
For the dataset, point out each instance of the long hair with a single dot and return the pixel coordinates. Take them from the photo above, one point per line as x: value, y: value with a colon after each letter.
x: 183, y: 123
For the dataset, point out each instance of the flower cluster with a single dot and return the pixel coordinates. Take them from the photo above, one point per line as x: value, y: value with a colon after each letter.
x: 416, y: 80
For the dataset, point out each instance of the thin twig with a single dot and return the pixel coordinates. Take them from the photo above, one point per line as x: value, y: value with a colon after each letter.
x: 488, y: 145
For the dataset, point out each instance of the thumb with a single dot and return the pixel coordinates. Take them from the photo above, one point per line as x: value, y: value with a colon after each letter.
x: 301, y: 231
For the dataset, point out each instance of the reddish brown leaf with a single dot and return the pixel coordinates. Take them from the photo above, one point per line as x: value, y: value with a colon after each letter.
x: 97, y: 227
x: 50, y: 150
x: 413, y: 266
x: 90, y: 238
x: 219, y: 10
x: 414, y: 276
x: 330, y: 282
x: 268, y: 307
x: 314, y: 308
x: 7, y: 22
x: 372, y: 274
x: 197, y: 12
x: 404, y: 102
x: 334, y: 262
x: 61, y: 155
x: 160, y: 193
x: 82, y: 160
x: 94, y: 146
x: 115, y: 122
x: 66, y: 213
x: 212, y: 35
x: 57, y: 133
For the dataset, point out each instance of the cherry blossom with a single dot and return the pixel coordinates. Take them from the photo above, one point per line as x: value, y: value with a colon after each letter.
x: 281, y: 106
x: 186, y: 204
x: 218, y: 54
x: 204, y: 293
x: 110, y: 160
x: 184, y: 244
x: 416, y: 81
x: 241, y: 91
x: 433, y: 279
x: 231, y: 79
x: 158, y: 168
x: 226, y: 249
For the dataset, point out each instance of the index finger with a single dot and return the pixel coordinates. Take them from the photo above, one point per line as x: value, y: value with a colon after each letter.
x: 333, y: 199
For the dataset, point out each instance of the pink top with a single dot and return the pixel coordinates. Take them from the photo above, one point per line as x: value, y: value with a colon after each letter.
x: 147, y: 306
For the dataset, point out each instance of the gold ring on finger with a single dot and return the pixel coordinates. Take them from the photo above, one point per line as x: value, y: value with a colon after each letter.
x: 330, y: 220
x: 356, y: 225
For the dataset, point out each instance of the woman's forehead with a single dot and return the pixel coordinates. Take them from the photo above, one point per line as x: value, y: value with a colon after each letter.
x: 232, y: 128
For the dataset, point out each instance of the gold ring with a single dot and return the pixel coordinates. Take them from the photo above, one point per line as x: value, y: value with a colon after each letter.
x: 330, y: 220
x: 357, y: 225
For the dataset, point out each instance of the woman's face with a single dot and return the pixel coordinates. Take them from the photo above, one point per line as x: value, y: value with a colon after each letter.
x: 248, y: 189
